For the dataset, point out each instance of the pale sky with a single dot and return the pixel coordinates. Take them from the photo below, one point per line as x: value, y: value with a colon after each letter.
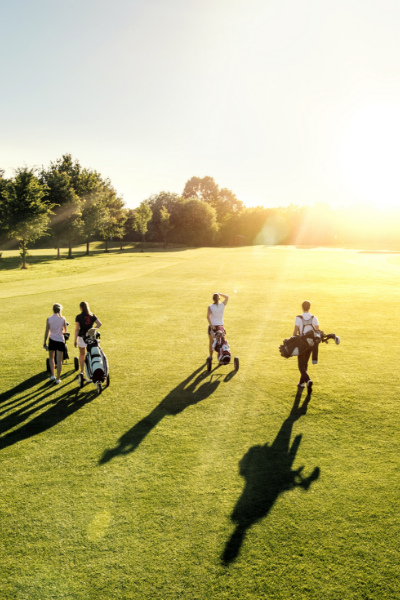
x: 281, y: 101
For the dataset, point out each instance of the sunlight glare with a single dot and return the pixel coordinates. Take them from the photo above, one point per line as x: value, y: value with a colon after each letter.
x: 371, y: 154
x: 274, y: 231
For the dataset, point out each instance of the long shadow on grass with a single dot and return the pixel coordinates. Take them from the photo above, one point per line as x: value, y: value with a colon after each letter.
x: 61, y: 408
x: 268, y: 473
x: 184, y: 395
x: 32, y: 396
x: 23, y: 386
x: 23, y: 406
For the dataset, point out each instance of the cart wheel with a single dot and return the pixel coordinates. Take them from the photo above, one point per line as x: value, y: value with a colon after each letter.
x: 108, y: 380
x: 99, y: 388
x: 81, y: 380
x: 236, y: 363
x: 76, y: 363
x: 48, y: 365
x: 209, y: 361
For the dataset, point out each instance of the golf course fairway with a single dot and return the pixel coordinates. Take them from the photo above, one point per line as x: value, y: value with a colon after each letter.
x: 179, y: 483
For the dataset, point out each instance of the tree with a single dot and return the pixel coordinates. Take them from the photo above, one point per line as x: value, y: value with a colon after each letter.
x: 223, y: 200
x: 143, y: 215
x: 84, y: 188
x: 130, y: 231
x: 3, y: 183
x: 114, y: 221
x: 194, y: 222
x: 227, y: 203
x: 94, y: 211
x: 203, y: 188
x: 165, y: 225
x: 25, y: 209
x: 82, y: 193
x: 156, y: 203
x: 120, y: 236
x: 66, y: 222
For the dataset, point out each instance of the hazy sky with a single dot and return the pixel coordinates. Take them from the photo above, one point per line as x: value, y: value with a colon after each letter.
x: 281, y: 101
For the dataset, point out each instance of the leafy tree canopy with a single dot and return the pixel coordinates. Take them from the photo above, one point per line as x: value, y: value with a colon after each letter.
x: 194, y: 222
x: 25, y: 209
x: 142, y: 216
x: 204, y: 188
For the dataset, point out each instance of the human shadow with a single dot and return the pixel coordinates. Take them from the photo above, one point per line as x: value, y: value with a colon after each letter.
x: 34, y: 396
x: 59, y: 409
x: 184, y: 395
x: 268, y: 473
x: 296, y: 408
x: 22, y: 387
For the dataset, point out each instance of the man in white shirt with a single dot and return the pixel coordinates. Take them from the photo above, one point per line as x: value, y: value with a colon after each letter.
x: 304, y: 323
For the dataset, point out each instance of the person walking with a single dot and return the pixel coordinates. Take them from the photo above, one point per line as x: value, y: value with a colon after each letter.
x: 56, y: 325
x: 304, y: 323
x: 215, y: 316
x: 83, y: 322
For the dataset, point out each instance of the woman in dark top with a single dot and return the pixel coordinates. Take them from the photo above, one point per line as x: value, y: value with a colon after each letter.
x: 83, y: 322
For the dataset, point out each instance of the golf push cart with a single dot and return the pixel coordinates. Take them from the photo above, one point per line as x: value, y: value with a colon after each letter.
x: 221, y: 347
x: 96, y: 364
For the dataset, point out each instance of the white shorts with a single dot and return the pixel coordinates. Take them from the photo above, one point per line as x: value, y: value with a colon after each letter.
x: 80, y: 341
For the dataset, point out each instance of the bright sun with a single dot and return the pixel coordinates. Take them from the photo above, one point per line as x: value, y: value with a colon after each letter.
x: 371, y: 154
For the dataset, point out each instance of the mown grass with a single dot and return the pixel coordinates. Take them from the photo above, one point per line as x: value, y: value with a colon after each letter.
x: 176, y: 483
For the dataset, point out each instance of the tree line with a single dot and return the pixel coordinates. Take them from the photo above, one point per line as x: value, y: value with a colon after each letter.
x: 70, y: 205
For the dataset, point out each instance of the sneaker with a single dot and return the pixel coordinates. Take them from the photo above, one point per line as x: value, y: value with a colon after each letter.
x: 58, y: 381
x: 309, y: 386
x: 337, y: 340
x: 52, y: 378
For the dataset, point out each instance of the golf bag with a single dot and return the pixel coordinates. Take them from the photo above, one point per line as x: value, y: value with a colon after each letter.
x: 96, y: 364
x: 66, y: 355
x: 297, y: 344
x: 221, y: 346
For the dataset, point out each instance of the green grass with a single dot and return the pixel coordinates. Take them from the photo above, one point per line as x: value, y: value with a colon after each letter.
x: 176, y: 483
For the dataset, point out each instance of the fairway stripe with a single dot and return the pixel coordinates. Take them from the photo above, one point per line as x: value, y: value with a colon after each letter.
x: 30, y: 288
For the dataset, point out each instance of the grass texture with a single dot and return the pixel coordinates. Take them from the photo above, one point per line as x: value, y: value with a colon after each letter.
x: 178, y: 483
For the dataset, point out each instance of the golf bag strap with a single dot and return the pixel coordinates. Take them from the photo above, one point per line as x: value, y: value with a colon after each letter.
x: 308, y: 322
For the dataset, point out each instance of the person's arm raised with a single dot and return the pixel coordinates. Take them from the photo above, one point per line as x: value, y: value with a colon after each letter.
x: 226, y: 298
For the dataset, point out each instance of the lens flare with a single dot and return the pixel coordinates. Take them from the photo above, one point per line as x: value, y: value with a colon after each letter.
x: 274, y: 231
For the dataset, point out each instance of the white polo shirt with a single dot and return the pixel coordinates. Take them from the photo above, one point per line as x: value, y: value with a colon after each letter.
x: 307, y: 317
x: 56, y: 324
x: 217, y: 314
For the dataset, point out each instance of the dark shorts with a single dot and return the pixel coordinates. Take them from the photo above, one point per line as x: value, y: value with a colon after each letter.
x: 53, y: 345
x: 209, y: 328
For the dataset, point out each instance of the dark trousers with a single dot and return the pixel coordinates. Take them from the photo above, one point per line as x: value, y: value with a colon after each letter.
x: 302, y: 361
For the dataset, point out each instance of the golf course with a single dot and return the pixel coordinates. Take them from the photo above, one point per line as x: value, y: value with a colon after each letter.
x: 179, y: 483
